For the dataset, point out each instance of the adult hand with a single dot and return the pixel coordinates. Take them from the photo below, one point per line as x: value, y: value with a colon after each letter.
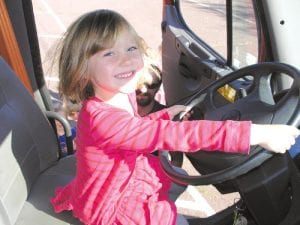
x: 175, y: 109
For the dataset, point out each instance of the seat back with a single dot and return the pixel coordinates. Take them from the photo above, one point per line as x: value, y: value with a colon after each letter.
x: 28, y: 144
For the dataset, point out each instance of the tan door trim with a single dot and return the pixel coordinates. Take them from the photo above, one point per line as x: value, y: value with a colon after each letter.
x: 9, y: 48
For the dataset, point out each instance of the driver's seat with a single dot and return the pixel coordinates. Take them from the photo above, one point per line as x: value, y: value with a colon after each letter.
x: 30, y: 168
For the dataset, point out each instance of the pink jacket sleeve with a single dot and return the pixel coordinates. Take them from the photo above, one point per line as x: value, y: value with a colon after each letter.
x: 161, y: 114
x: 113, y: 128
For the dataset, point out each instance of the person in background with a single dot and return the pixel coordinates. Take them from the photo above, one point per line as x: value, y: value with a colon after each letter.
x: 70, y: 110
x: 148, y: 85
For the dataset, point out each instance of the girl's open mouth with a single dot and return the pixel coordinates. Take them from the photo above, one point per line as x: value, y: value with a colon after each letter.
x: 125, y: 75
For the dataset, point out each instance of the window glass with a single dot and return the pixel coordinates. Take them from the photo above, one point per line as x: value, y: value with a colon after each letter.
x: 207, y: 20
x: 245, y: 41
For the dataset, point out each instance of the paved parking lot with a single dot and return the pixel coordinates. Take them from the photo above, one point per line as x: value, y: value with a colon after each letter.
x: 54, y: 16
x: 52, y: 19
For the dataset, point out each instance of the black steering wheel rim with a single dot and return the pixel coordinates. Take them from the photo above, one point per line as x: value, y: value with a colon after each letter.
x: 258, y: 155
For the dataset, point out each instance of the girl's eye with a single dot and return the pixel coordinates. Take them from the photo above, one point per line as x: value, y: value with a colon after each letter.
x: 108, y: 54
x: 133, y: 48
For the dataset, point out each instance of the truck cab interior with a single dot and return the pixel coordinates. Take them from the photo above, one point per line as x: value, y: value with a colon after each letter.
x: 218, y: 83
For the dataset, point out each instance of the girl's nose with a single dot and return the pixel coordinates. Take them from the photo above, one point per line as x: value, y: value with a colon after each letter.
x: 125, y: 59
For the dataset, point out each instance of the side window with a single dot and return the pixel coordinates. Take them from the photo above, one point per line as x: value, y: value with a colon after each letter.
x: 208, y: 19
x: 244, y: 32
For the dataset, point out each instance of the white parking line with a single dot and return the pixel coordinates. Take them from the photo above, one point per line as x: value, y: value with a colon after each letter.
x: 51, y: 36
x: 53, y: 78
x: 53, y: 14
x: 199, y: 203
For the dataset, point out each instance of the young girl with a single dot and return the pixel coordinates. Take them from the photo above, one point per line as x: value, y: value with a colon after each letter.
x: 118, y: 181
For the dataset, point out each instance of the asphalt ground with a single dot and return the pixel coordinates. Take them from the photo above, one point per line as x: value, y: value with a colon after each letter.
x: 52, y: 19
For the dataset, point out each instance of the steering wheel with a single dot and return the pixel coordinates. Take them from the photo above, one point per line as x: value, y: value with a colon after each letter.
x: 257, y: 104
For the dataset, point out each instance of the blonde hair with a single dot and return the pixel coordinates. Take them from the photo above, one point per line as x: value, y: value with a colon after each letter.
x: 90, y: 33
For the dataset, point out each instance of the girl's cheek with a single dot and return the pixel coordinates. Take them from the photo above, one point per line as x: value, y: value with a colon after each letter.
x: 139, y: 59
x: 141, y: 64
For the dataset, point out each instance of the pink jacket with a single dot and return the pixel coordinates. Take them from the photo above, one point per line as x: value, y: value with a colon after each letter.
x: 118, y: 181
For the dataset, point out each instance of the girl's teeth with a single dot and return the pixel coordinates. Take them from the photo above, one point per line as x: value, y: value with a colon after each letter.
x: 124, y: 75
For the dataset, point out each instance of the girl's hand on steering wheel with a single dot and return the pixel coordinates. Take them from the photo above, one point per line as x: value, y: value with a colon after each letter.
x: 275, y: 138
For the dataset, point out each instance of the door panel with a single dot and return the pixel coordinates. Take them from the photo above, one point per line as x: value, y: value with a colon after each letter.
x: 187, y: 64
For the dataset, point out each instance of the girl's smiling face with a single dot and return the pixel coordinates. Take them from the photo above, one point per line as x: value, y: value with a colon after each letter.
x: 114, y: 70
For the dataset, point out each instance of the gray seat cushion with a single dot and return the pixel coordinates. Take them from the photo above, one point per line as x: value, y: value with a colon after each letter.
x: 38, y: 210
